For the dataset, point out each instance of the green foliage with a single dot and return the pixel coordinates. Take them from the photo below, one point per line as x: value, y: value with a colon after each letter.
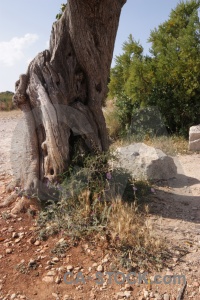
x: 168, y: 79
x: 80, y: 208
x: 6, y: 101
x: 62, y: 8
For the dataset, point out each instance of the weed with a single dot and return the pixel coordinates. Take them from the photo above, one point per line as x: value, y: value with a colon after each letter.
x: 106, y: 207
x: 60, y: 248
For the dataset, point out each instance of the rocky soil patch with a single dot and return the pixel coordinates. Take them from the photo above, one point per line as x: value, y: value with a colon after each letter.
x: 31, y: 268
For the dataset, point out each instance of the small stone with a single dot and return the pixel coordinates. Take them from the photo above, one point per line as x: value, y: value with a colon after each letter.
x: 57, y: 280
x: 175, y: 259
x: 37, y: 243
x: 67, y: 297
x: 32, y: 262
x: 55, y: 259
x: 128, y: 287
x: 92, y: 296
x: 55, y: 295
x: 94, y: 265
x: 166, y: 297
x: 120, y: 295
x: 47, y: 279
x: 60, y: 241
x: 51, y: 273
x: 69, y: 268
x: 127, y: 294
x: 8, y: 251
x: 169, y: 273
x: 100, y: 268
x: 13, y: 296
x: 146, y: 294
x: 158, y: 296
x: 195, y: 284
x: 32, y: 240
x: 151, y: 295
x: 15, y: 235
x: 17, y: 240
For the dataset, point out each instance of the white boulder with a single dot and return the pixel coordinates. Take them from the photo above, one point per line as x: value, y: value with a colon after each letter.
x: 145, y: 162
x: 194, y: 138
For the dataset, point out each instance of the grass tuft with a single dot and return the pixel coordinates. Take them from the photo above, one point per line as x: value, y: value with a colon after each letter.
x: 91, y: 207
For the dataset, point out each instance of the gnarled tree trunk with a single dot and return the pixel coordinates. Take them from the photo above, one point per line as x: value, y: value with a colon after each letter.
x: 61, y: 94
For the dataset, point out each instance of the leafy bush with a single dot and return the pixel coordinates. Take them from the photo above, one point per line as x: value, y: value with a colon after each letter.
x: 168, y: 78
x: 6, y: 101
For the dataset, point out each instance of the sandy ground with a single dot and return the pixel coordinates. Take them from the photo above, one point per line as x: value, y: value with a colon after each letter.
x: 11, y: 131
x: 174, y: 215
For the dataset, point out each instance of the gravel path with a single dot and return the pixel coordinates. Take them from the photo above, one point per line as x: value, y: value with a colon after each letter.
x: 11, y: 134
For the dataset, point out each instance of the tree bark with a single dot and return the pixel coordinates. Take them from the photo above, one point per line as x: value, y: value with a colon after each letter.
x: 61, y: 94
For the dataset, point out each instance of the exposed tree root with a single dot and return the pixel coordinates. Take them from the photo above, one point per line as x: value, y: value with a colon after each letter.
x: 24, y: 204
x: 9, y: 200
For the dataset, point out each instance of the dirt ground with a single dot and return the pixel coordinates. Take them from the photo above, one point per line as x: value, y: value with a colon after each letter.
x: 31, y: 269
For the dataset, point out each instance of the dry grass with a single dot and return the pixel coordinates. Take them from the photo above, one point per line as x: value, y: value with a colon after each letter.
x: 122, y: 226
x: 112, y: 121
x: 128, y: 225
x: 171, y: 145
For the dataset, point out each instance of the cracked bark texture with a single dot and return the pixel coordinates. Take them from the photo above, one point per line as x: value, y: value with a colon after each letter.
x: 61, y: 94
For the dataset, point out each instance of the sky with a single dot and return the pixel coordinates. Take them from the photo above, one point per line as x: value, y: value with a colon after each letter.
x: 26, y: 28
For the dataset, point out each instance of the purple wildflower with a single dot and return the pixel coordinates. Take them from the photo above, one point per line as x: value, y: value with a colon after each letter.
x: 108, y: 176
x: 153, y: 190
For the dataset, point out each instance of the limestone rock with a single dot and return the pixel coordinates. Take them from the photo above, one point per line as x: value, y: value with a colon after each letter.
x: 145, y: 162
x: 194, y: 138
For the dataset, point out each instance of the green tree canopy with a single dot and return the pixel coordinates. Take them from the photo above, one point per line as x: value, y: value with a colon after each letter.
x: 169, y: 77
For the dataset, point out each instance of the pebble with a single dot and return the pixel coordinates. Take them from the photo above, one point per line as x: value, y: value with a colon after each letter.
x: 67, y: 297
x: 61, y: 241
x: 69, y: 268
x: 32, y: 240
x: 146, y: 294
x: 37, y: 243
x: 166, y: 297
x: 100, y: 268
x: 32, y: 262
x: 51, y: 273
x: 120, y: 295
x: 57, y: 280
x: 195, y: 284
x: 94, y: 265
x: 15, y: 235
x: 128, y: 287
x: 17, y: 240
x: 8, y: 251
x: 151, y: 295
x: 158, y: 296
x: 169, y: 273
x: 127, y: 294
x: 55, y: 259
x: 47, y: 279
